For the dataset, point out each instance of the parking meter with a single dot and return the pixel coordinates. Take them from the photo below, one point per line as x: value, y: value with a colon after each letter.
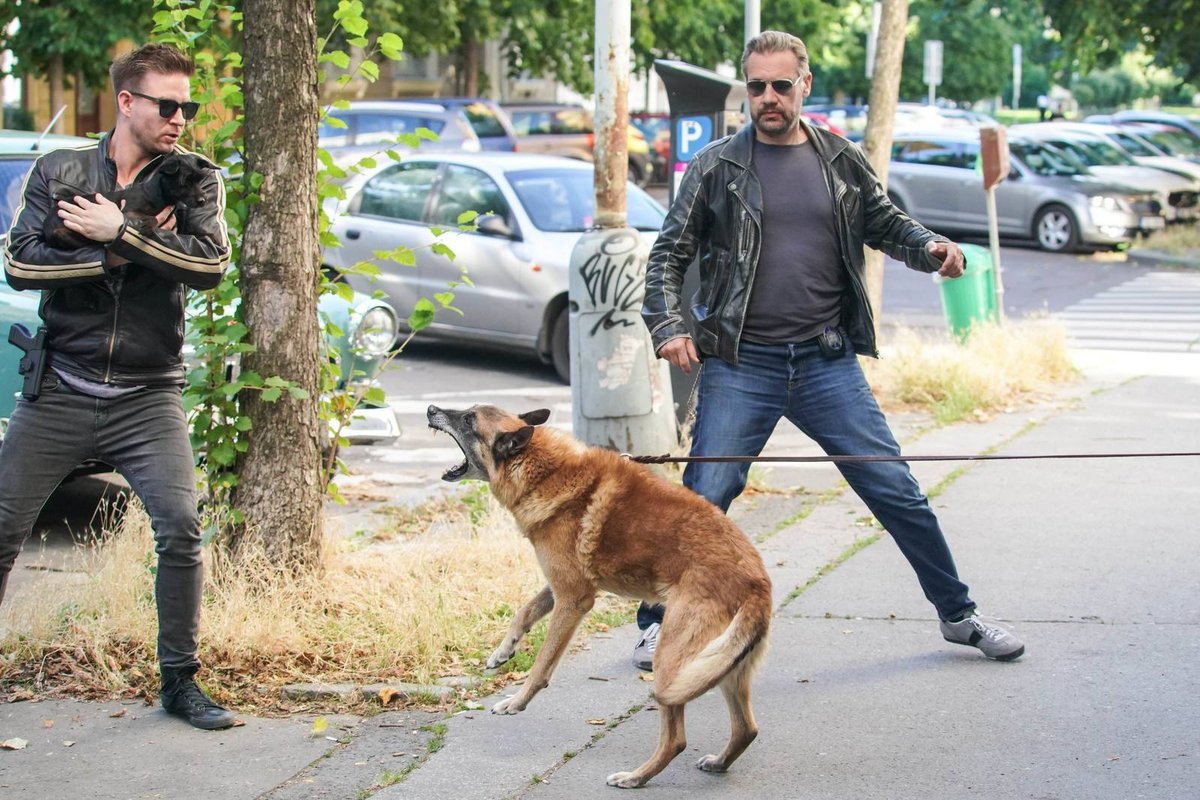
x: 704, y: 107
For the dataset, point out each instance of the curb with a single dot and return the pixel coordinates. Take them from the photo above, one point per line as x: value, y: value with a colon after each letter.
x: 1157, y: 258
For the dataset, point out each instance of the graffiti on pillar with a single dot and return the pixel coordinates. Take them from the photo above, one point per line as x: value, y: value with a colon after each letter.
x: 614, y: 279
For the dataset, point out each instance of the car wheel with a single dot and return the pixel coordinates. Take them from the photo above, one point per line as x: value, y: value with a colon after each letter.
x: 1055, y: 229
x: 560, y: 346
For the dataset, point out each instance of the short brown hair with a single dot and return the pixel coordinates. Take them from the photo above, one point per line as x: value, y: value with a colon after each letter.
x: 126, y: 71
x: 777, y: 42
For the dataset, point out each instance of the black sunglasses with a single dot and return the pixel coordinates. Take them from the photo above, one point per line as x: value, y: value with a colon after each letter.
x: 782, y: 86
x: 167, y: 108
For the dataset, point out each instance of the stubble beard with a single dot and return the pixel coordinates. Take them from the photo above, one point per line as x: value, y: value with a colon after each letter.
x: 774, y: 127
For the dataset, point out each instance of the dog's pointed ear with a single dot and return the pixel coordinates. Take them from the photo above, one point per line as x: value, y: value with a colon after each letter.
x: 535, y: 417
x: 509, y: 445
x: 170, y: 166
x: 204, y: 163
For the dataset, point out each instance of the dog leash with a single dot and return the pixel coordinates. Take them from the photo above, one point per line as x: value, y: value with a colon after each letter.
x: 667, y: 458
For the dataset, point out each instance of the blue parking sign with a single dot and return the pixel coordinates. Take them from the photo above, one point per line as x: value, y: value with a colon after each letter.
x: 691, y: 135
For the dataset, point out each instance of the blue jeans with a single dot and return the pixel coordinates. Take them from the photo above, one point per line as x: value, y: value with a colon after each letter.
x: 144, y: 436
x: 738, y: 406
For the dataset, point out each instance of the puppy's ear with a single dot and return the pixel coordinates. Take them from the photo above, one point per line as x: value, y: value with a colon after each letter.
x: 510, y: 445
x: 535, y: 417
x: 170, y: 165
x: 203, y: 163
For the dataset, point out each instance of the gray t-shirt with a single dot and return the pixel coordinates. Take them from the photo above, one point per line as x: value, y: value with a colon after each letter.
x: 799, y: 282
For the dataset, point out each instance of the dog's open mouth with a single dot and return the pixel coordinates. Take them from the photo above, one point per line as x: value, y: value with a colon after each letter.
x: 450, y: 422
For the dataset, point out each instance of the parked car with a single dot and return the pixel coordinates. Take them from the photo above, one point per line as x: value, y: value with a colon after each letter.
x: 1048, y: 197
x: 1177, y: 194
x: 1171, y: 141
x: 567, y: 130
x: 367, y: 325
x: 489, y: 121
x: 373, y: 125
x: 1188, y: 124
x: 1132, y: 143
x: 533, y: 210
x: 656, y: 129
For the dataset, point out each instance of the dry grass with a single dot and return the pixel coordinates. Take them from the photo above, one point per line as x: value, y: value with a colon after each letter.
x: 995, y: 368
x: 427, y: 597
x: 402, y: 612
x: 1177, y: 240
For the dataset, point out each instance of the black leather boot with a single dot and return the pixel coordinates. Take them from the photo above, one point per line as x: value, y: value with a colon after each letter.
x: 182, y: 697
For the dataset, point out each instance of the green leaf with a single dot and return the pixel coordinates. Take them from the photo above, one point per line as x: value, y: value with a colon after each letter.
x: 442, y: 250
x: 369, y: 69
x: 445, y: 298
x: 422, y: 315
x: 271, y: 395
x: 297, y: 393
x: 243, y: 424
x: 336, y: 57
x: 467, y: 216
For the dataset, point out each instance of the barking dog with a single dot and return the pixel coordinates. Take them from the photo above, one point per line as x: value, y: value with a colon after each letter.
x: 601, y: 522
x: 175, y: 182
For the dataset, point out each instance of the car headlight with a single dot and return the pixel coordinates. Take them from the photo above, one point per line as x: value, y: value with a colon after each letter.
x: 1107, y: 202
x: 376, y: 332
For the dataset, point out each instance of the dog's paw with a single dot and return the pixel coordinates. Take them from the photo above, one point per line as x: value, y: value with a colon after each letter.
x: 626, y: 780
x: 509, y: 705
x: 712, y: 763
x: 502, y: 654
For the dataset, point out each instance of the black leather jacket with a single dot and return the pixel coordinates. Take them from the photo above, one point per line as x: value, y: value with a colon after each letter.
x: 717, y: 214
x: 114, y: 324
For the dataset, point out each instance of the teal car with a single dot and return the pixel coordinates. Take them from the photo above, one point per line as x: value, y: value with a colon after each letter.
x: 368, y: 326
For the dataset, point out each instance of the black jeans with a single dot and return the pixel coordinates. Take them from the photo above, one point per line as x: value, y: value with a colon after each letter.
x: 144, y: 436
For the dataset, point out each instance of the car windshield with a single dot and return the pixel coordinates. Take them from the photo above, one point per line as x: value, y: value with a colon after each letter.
x: 483, y: 120
x: 1170, y: 142
x: 12, y: 176
x: 1045, y: 160
x: 1132, y: 144
x: 1104, y: 153
x: 563, y: 200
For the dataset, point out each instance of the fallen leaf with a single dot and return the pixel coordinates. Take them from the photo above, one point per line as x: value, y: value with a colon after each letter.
x: 319, y: 726
x: 68, y: 743
x: 601, y: 627
x: 387, y: 694
x: 47, y: 723
x: 120, y: 713
x: 647, y: 676
x: 397, y: 755
x: 13, y: 744
x: 597, y: 721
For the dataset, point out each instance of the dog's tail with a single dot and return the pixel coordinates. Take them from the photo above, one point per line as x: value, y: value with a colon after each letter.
x: 741, y: 645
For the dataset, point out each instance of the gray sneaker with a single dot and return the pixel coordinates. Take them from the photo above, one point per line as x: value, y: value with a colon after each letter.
x: 995, y: 642
x: 643, y: 652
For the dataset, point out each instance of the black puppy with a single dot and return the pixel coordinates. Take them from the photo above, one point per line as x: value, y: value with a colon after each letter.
x: 175, y: 182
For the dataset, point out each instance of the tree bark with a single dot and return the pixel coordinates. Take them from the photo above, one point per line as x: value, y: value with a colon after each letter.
x: 279, y: 491
x: 55, y: 78
x: 472, y: 51
x: 877, y: 141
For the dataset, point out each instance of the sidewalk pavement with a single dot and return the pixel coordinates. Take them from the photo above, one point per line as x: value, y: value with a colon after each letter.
x: 1094, y: 562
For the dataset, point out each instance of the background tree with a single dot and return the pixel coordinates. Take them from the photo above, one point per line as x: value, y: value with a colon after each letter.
x: 59, y: 39
x: 280, y: 491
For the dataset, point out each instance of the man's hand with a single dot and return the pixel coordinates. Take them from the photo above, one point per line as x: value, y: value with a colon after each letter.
x: 98, y: 220
x: 951, y: 256
x: 681, y: 352
x: 165, y: 219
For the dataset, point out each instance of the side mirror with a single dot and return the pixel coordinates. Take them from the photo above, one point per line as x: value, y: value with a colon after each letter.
x: 495, y: 225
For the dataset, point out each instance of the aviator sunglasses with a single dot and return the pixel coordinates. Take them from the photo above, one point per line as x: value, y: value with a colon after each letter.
x: 756, y: 88
x: 167, y: 108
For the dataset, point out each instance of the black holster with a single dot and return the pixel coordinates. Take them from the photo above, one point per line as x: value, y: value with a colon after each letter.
x: 33, y: 363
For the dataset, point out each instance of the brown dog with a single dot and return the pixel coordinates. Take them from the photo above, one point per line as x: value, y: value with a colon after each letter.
x: 601, y: 522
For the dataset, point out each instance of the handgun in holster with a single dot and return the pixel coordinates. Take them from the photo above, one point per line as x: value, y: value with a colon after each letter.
x: 33, y: 363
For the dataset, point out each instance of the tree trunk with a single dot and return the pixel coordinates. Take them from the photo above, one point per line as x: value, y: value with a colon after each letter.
x: 55, y: 78
x: 877, y: 141
x: 471, y: 57
x: 279, y: 491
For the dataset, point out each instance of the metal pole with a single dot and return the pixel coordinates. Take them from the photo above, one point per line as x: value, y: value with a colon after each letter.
x: 753, y: 19
x: 620, y: 390
x: 994, y: 244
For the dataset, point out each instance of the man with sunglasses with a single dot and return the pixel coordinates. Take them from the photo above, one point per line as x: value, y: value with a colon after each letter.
x: 778, y: 215
x: 113, y: 315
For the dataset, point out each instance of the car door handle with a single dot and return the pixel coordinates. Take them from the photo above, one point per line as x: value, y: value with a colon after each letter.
x: 353, y: 234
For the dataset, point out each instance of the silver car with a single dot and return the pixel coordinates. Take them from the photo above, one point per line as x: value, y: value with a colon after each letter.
x: 1176, y: 193
x: 1048, y: 197
x: 370, y: 126
x: 1133, y: 144
x: 533, y: 209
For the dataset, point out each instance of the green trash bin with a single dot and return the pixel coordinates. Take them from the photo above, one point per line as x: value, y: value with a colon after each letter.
x: 972, y: 297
